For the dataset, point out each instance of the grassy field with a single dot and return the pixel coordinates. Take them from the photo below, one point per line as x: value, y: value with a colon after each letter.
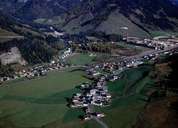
x: 80, y: 59
x: 39, y: 102
x: 87, y: 58
x: 133, y: 47
x: 163, y: 33
x: 127, y: 100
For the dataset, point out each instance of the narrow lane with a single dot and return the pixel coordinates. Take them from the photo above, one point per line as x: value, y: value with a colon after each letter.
x: 100, y: 122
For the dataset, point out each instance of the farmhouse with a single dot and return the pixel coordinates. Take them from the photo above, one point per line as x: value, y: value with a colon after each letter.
x: 66, y: 53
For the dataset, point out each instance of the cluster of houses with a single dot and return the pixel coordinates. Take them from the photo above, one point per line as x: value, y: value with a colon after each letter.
x: 38, y: 70
x: 35, y: 71
x: 158, y: 43
x: 111, y: 68
x: 96, y: 93
x: 134, y: 63
x: 93, y: 71
x: 66, y: 53
x: 92, y: 94
x: 114, y: 68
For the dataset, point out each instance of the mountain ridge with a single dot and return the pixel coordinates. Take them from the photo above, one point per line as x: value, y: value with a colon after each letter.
x: 32, y: 44
x: 93, y: 16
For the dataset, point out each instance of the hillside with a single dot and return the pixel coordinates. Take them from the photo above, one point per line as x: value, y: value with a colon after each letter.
x: 162, y: 110
x: 31, y: 43
x: 142, y: 17
x: 175, y: 2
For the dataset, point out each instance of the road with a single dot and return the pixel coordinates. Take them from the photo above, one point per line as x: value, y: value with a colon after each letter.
x: 151, y: 52
x: 99, y: 121
x: 136, y: 57
x: 139, y: 56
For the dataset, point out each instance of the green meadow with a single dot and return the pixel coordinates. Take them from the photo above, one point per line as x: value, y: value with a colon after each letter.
x: 127, y: 98
x: 80, y: 59
x: 42, y: 101
x: 87, y: 58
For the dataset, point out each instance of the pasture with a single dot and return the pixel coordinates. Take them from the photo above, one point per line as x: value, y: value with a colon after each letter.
x: 127, y: 98
x: 41, y: 101
x: 80, y: 59
x: 88, y: 58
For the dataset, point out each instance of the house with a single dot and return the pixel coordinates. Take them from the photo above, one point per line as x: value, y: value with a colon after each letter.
x: 97, y: 103
x: 86, y: 117
x: 93, y: 91
x: 96, y: 73
x: 113, y: 78
x: 66, y: 53
x: 99, y: 115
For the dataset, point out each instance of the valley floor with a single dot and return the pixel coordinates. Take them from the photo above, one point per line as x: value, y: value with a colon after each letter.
x: 42, y: 102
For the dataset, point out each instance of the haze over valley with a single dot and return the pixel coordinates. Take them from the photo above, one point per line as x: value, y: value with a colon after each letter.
x: 88, y: 63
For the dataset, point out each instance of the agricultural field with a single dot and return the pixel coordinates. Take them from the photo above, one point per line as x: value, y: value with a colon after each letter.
x: 97, y: 56
x: 129, y: 98
x: 80, y: 59
x: 163, y: 33
x: 135, y: 48
x: 39, y: 102
x: 86, y: 58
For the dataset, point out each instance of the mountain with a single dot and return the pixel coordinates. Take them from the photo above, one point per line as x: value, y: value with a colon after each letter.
x: 31, y: 9
x: 31, y: 43
x: 175, y: 2
x: 142, y: 17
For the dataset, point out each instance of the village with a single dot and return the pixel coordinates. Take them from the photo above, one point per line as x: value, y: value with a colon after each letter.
x: 88, y: 63
x: 161, y: 45
x: 40, y: 69
x: 95, y: 94
x: 157, y: 43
